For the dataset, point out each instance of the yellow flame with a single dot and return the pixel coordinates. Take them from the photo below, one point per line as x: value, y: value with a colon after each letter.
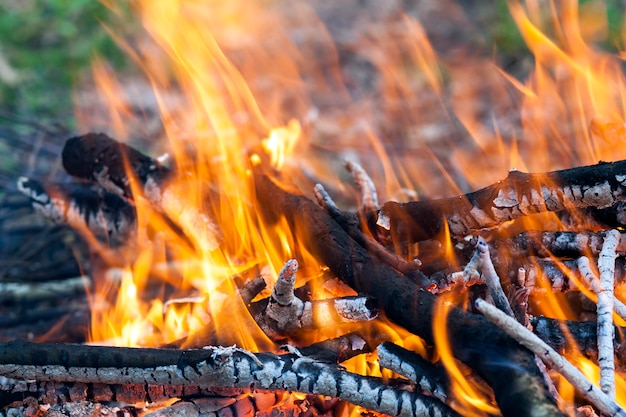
x: 469, y: 398
x: 222, y: 127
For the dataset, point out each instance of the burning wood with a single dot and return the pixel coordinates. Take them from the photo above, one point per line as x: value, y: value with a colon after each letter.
x: 83, y: 207
x: 222, y: 220
x: 555, y: 361
x: 98, y: 158
x: 520, y: 194
x: 285, y: 314
x: 351, y: 260
x: 210, y: 368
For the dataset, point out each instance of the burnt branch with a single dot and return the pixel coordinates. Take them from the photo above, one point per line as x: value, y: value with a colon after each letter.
x: 559, y: 244
x: 115, y: 166
x: 83, y: 207
x: 212, y: 367
x: 561, y: 334
x: 519, y: 194
x: 519, y: 389
x: 429, y: 377
x: 285, y: 314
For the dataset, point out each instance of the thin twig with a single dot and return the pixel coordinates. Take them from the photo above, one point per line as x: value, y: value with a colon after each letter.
x: 491, y: 278
x: 365, y: 184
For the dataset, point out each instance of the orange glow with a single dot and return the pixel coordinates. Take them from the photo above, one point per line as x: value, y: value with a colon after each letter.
x: 470, y: 398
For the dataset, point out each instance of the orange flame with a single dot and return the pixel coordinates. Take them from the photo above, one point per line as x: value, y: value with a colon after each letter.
x: 223, y: 125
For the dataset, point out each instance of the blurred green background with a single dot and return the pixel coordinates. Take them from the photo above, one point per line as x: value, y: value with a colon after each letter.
x: 46, y: 45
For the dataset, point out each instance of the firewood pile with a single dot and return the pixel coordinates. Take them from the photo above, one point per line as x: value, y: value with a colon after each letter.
x: 356, y: 247
x: 468, y: 277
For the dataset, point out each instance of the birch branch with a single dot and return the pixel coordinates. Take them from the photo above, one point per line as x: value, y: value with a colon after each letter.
x: 591, y: 281
x: 430, y: 378
x: 588, y: 390
x: 212, y: 367
x: 606, y: 356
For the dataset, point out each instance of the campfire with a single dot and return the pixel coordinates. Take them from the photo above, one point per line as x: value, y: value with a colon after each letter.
x: 304, y: 234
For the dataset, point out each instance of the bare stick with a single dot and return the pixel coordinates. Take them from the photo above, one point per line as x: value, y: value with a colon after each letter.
x: 606, y: 355
x: 491, y: 278
x: 480, y: 269
x: 325, y: 201
x: 285, y: 314
x: 591, y: 280
x: 212, y: 367
x: 586, y: 388
x: 365, y: 184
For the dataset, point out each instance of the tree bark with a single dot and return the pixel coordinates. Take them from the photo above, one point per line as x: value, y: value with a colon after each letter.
x: 212, y: 367
x: 520, y: 194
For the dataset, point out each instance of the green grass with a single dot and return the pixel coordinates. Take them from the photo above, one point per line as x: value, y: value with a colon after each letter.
x: 46, y: 45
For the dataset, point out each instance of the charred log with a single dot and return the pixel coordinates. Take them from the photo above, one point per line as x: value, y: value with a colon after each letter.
x: 519, y: 389
x: 113, y: 165
x: 82, y: 206
x: 97, y: 158
x: 212, y: 367
x: 520, y: 194
x: 561, y: 334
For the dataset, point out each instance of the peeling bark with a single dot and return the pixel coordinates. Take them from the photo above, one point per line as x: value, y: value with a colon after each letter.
x: 520, y: 194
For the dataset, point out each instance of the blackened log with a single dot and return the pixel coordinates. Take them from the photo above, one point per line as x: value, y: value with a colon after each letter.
x: 520, y: 194
x: 83, y: 207
x: 509, y: 369
x: 97, y: 158
x: 212, y: 367
x: 558, y: 244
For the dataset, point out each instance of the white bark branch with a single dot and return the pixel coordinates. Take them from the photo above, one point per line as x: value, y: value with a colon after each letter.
x: 606, y: 355
x: 591, y: 281
x: 525, y: 337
